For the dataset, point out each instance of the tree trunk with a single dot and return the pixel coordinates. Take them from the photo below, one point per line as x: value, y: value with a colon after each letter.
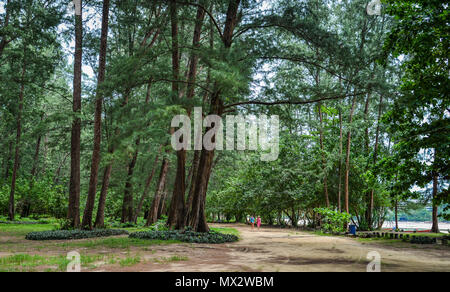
x: 127, y: 206
x: 153, y: 214
x: 322, y: 150
x: 27, y: 204
x: 11, y: 211
x: 396, y: 214
x: 162, y: 205
x: 368, y: 212
x: 191, y: 79
x: 435, y: 226
x: 100, y: 219
x: 8, y: 159
x: 195, y: 163
x: 340, y: 160
x: 147, y: 187
x: 375, y: 157
x: 4, y: 42
x: 90, y: 202
x: 99, y: 222
x: 198, y: 220
x: 198, y: 217
x: 73, y: 213
x: 347, y: 160
x: 177, y: 205
x: 193, y: 61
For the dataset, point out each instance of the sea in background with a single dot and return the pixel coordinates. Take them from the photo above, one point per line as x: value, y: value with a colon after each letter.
x: 411, y: 225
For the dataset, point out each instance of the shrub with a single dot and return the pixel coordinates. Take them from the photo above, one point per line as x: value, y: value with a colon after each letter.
x: 186, y: 236
x: 333, y: 221
x: 160, y: 225
x: 73, y: 234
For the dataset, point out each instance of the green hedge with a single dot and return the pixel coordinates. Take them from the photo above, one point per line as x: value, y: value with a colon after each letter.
x: 73, y: 234
x: 186, y: 236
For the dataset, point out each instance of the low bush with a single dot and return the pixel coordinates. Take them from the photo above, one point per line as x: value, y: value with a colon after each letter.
x: 160, y: 225
x: 73, y: 234
x: 186, y: 236
x: 333, y: 221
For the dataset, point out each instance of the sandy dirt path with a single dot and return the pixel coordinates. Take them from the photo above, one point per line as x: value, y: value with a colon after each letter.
x: 265, y: 250
x: 277, y: 250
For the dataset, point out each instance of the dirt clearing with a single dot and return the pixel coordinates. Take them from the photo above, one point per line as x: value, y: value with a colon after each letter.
x: 266, y: 250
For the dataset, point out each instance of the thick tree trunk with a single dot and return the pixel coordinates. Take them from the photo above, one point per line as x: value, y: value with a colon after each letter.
x: 147, y: 187
x: 195, y: 163
x: 11, y: 211
x: 73, y: 213
x: 100, y: 219
x: 90, y: 202
x: 198, y: 220
x: 177, y: 205
x: 153, y: 213
x: 396, y: 214
x: 198, y: 217
x: 191, y: 80
x: 347, y: 160
x: 435, y: 226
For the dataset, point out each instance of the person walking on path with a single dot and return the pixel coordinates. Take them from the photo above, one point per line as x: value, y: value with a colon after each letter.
x: 252, y: 221
x: 258, y: 222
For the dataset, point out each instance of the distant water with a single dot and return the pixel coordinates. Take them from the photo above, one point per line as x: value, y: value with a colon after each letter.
x: 443, y: 226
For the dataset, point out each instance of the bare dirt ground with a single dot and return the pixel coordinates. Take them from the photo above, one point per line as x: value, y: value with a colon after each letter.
x: 275, y: 250
x: 265, y: 250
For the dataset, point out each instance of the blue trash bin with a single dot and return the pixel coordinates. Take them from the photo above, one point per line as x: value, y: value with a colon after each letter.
x: 352, y: 229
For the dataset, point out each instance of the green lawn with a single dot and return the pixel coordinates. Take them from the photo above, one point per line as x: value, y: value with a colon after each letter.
x: 51, y: 255
x: 226, y: 230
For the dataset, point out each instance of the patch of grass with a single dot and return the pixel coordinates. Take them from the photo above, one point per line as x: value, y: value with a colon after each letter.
x: 130, y: 261
x: 226, y: 230
x: 378, y: 239
x: 174, y: 258
x: 116, y: 243
x: 25, y: 262
x: 23, y: 229
x: 135, y: 229
x: 421, y: 234
x: 177, y: 258
x: 321, y: 233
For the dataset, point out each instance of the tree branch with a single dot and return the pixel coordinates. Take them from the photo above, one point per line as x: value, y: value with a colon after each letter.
x: 256, y: 102
x: 207, y: 12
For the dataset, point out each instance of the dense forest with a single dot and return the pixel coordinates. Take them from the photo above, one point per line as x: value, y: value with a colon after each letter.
x: 89, y: 89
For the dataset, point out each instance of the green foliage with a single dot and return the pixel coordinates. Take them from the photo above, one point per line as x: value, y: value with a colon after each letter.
x: 45, y: 198
x: 73, y: 234
x: 333, y: 221
x: 187, y: 236
x: 419, y: 119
